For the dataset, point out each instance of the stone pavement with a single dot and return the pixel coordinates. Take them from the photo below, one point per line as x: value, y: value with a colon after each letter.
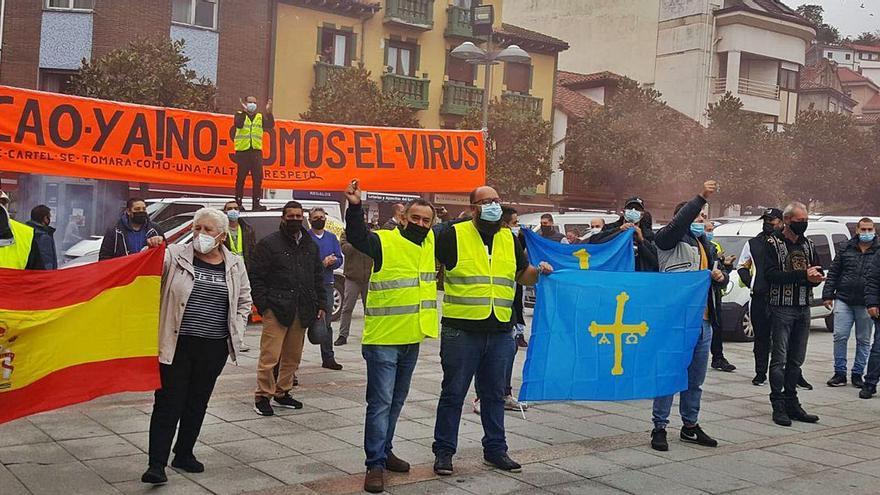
x: 567, y: 448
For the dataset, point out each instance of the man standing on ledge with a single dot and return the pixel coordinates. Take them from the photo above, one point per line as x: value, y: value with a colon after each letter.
x: 249, y: 128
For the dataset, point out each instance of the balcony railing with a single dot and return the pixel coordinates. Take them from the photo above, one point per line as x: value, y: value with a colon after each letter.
x: 417, y: 14
x: 459, y: 23
x: 458, y: 99
x: 749, y: 87
x: 323, y: 72
x: 413, y: 89
x: 524, y: 103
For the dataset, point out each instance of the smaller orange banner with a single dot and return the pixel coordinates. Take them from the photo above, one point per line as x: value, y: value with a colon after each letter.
x: 54, y: 134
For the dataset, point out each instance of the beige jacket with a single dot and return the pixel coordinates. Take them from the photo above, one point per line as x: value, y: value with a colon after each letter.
x: 178, y: 278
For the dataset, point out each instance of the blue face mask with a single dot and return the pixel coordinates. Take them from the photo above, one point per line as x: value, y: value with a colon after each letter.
x: 710, y: 236
x: 251, y: 107
x: 632, y: 216
x: 490, y: 212
x: 698, y: 229
x: 867, y: 237
x: 232, y: 215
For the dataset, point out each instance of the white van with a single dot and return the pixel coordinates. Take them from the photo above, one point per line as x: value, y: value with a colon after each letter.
x: 851, y: 222
x: 735, y: 320
x: 567, y: 220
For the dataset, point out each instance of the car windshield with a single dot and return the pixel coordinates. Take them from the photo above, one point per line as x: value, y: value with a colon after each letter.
x: 732, y: 245
x: 168, y: 224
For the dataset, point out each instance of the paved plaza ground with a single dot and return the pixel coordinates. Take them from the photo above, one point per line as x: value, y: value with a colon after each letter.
x: 598, y: 448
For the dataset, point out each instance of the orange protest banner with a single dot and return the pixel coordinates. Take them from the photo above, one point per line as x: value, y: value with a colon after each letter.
x: 54, y: 134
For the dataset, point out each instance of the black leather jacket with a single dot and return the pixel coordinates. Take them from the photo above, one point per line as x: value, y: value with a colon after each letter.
x: 848, y: 273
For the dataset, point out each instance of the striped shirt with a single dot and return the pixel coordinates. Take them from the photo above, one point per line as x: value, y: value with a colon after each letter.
x: 207, y: 310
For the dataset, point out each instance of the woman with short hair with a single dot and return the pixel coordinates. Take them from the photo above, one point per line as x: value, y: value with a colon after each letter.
x: 206, y: 299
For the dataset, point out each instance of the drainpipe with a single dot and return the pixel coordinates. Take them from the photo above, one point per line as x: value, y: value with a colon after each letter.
x: 270, y: 67
x: 362, y: 60
x: 2, y: 21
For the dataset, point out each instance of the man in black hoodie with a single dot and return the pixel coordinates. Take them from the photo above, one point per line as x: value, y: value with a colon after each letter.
x: 132, y: 233
x: 634, y: 217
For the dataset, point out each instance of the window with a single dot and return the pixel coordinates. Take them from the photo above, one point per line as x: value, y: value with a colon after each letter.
x: 848, y: 56
x: 823, y: 249
x: 402, y: 58
x: 518, y: 77
x: 202, y: 13
x: 71, y: 4
x: 788, y: 79
x: 465, y: 4
x: 830, y: 55
x: 337, y: 47
x: 459, y: 70
x: 55, y: 81
x: 839, y: 239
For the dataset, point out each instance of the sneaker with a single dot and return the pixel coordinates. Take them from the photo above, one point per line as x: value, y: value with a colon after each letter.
x: 443, y: 464
x: 503, y: 462
x: 759, y: 379
x: 396, y: 464
x: 288, y: 402
x: 520, y: 340
x: 331, y: 365
x: 243, y: 348
x: 155, y: 475
x: 804, y: 384
x: 838, y: 380
x: 340, y: 341
x: 658, y: 439
x: 511, y: 404
x: 723, y: 365
x: 263, y: 408
x: 857, y: 381
x: 374, y: 481
x: 296, y: 382
x: 867, y: 391
x: 477, y: 405
x: 695, y: 434
x: 188, y: 463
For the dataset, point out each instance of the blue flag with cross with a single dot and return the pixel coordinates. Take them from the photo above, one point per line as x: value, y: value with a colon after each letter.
x: 613, y: 335
x: 616, y: 255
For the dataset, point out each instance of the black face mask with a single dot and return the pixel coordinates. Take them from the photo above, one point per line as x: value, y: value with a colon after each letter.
x: 546, y: 229
x: 768, y: 228
x: 139, y: 217
x: 415, y: 233
x: 291, y: 227
x: 319, y: 224
x: 798, y: 227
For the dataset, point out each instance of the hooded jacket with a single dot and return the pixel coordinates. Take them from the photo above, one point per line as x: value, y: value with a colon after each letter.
x: 115, y: 243
x: 44, y: 237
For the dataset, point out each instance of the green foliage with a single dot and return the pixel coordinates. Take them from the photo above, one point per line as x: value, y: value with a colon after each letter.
x: 825, y: 33
x: 350, y: 97
x: 868, y: 37
x: 147, y: 72
x: 518, y: 147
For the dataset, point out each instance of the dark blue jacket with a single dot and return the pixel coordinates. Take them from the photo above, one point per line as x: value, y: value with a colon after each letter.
x: 44, y: 237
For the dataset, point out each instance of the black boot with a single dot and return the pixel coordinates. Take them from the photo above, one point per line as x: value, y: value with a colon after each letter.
x: 796, y: 412
x: 780, y: 416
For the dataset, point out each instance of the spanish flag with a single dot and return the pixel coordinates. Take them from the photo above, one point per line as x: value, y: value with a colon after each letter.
x: 68, y: 336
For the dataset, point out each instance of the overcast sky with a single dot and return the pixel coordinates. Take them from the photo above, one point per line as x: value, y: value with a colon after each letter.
x: 849, y: 16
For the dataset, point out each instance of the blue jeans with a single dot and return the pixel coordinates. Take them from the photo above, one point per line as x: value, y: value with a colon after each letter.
x: 465, y: 355
x: 844, y: 317
x: 689, y: 400
x: 389, y: 371
x: 327, y: 349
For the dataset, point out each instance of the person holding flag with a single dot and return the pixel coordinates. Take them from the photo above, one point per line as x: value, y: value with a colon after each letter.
x: 682, y: 247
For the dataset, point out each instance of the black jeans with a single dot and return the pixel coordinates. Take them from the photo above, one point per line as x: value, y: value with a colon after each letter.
x: 249, y: 162
x: 717, y: 346
x: 760, y: 313
x: 873, y: 371
x: 187, y: 384
x: 791, y: 331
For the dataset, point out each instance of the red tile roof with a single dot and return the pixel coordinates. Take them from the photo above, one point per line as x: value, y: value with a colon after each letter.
x: 527, y: 39
x: 873, y: 105
x: 573, y: 103
x: 770, y: 8
x: 574, y: 80
x: 860, y: 47
x: 847, y: 76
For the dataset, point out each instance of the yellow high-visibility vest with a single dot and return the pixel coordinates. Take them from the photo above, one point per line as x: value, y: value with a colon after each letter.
x: 236, y: 242
x: 250, y: 136
x: 16, y: 255
x: 401, y: 303
x: 478, y: 285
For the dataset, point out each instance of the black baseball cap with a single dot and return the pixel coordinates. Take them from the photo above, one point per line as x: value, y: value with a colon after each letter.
x: 635, y: 200
x: 772, y: 213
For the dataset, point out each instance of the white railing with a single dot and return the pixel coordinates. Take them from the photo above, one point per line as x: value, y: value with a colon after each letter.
x: 749, y: 87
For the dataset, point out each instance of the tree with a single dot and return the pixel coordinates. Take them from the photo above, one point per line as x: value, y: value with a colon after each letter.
x: 825, y: 33
x: 517, y: 147
x: 147, y: 72
x: 350, y: 97
x: 868, y: 37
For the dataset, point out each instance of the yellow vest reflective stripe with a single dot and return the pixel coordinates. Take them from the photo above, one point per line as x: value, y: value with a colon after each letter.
x: 402, y: 297
x: 16, y: 255
x: 478, y: 286
x: 250, y: 136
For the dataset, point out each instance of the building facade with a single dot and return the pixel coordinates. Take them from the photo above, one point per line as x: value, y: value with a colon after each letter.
x: 820, y: 89
x: 692, y: 51
x: 857, y: 57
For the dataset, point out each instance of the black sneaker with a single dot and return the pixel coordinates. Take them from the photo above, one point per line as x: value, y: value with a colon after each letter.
x: 723, y: 365
x: 155, y: 475
x: 341, y: 341
x: 804, y: 384
x: 658, y: 439
x: 188, y: 463
x: 867, y: 391
x: 443, y: 464
x: 759, y: 379
x: 857, y: 381
x: 838, y: 380
x: 288, y: 402
x: 263, y: 408
x: 695, y: 434
x: 503, y: 462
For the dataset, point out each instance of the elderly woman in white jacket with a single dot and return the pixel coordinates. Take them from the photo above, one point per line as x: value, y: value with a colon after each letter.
x: 206, y: 299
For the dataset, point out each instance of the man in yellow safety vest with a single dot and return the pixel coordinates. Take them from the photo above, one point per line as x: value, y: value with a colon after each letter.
x: 18, y: 245
x: 249, y: 128
x: 483, y: 264
x: 401, y: 310
x: 240, y: 241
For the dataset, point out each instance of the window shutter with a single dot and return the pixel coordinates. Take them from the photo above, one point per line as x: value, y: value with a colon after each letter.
x: 415, y: 59
x: 531, y: 77
x: 352, y: 47
x: 318, y: 46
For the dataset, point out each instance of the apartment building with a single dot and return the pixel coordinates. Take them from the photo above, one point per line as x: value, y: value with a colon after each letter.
x: 820, y: 88
x: 857, y: 57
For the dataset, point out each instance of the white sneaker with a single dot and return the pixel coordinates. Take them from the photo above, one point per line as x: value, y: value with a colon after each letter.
x: 243, y: 347
x: 477, y: 405
x: 511, y: 404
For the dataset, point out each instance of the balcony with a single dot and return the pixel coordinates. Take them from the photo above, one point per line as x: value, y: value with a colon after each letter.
x: 459, y: 24
x: 459, y: 99
x: 417, y: 14
x: 749, y: 87
x: 525, y: 103
x: 413, y: 89
x: 323, y: 72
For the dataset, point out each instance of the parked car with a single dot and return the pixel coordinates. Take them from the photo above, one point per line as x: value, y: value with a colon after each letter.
x: 735, y: 320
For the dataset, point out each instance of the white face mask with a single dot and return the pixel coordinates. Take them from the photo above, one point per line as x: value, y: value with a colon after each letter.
x: 515, y: 230
x: 204, y: 243
x: 595, y: 230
